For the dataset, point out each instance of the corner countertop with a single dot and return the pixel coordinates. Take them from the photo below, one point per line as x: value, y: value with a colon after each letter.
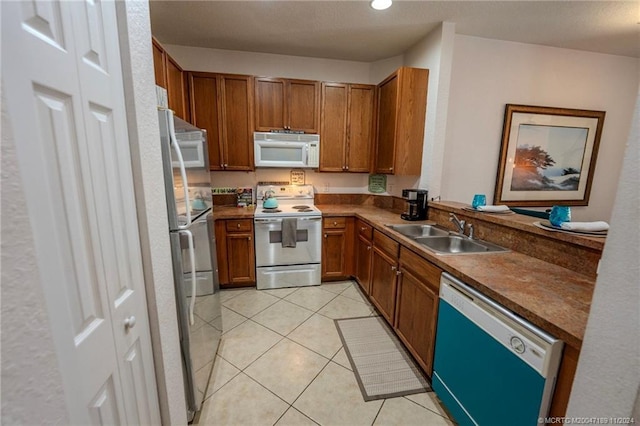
x: 555, y: 299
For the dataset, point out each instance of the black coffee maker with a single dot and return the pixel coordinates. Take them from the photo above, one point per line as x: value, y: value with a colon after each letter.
x: 416, y: 204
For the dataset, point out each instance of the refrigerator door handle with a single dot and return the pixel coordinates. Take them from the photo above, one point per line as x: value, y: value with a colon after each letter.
x: 183, y: 170
x: 192, y: 258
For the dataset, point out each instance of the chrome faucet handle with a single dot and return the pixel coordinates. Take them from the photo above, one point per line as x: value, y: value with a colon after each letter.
x: 470, y: 226
x: 459, y: 223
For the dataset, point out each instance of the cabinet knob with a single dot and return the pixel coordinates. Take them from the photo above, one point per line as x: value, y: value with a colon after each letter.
x: 393, y: 268
x: 363, y: 228
x: 226, y: 164
x: 325, y: 235
x: 335, y: 223
x: 346, y: 168
x: 249, y: 238
x: 398, y: 272
x: 129, y: 323
x: 238, y: 225
x: 368, y: 247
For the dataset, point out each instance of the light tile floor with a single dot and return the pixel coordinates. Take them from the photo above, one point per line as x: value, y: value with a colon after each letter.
x: 281, y: 362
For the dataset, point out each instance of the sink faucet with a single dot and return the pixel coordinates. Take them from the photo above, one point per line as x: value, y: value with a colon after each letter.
x: 459, y: 223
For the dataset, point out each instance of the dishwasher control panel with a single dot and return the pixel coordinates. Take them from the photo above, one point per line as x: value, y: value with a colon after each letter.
x: 525, y: 340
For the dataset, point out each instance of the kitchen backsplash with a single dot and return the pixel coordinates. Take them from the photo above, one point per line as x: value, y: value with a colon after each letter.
x: 323, y: 183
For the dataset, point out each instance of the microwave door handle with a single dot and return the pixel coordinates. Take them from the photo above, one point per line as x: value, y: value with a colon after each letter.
x: 183, y: 170
x: 306, y: 150
x: 192, y: 261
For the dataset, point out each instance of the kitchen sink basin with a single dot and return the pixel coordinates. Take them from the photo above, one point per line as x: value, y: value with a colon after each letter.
x: 415, y: 231
x: 456, y: 244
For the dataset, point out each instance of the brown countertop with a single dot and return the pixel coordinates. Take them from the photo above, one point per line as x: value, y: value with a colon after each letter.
x: 555, y: 299
x: 232, y: 212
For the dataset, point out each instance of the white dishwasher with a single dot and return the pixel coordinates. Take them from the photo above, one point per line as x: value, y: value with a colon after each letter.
x: 491, y: 367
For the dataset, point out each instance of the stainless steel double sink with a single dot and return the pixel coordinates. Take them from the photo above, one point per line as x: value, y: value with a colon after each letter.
x: 443, y: 241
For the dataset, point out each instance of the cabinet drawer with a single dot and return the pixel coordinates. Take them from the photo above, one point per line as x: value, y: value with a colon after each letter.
x: 386, y: 244
x: 421, y: 268
x: 239, y: 225
x: 334, y: 222
x: 364, y: 230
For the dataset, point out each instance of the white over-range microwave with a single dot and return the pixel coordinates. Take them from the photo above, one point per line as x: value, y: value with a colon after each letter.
x: 288, y: 150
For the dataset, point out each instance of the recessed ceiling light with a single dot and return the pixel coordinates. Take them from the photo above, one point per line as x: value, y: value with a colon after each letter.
x: 381, y: 4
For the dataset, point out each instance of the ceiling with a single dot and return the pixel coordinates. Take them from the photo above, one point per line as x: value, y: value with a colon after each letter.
x: 352, y: 30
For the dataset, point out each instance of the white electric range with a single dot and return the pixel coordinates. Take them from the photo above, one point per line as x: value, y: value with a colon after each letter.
x: 288, y: 238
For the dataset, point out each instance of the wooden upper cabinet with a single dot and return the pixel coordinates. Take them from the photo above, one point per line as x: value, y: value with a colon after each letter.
x: 287, y: 104
x: 303, y: 106
x: 159, y: 63
x: 402, y: 105
x: 346, y: 127
x: 360, y: 130
x: 333, y: 127
x: 205, y: 113
x: 237, y: 121
x: 176, y: 89
x: 223, y: 105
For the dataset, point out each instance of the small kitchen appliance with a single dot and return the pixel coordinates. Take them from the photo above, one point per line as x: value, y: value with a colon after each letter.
x: 416, y: 204
x: 286, y: 150
x: 288, y: 239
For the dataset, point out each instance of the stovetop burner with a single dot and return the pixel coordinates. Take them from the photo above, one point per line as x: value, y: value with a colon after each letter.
x: 274, y: 210
x: 301, y: 207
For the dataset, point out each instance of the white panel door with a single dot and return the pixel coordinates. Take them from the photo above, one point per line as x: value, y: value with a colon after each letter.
x: 63, y: 85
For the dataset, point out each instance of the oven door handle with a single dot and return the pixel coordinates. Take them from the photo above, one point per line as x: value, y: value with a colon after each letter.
x: 260, y: 221
x: 310, y: 218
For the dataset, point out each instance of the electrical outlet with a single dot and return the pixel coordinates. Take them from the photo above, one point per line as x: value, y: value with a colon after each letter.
x: 326, y: 187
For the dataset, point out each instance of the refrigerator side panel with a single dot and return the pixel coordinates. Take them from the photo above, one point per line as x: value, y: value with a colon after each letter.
x: 182, y: 304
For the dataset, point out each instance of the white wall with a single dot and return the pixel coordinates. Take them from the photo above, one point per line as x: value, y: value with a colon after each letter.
x: 32, y: 391
x: 268, y: 64
x: 487, y: 74
x: 434, y: 53
x: 608, y: 375
x: 144, y: 136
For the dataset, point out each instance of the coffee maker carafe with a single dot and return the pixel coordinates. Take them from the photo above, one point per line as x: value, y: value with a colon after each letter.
x: 416, y: 204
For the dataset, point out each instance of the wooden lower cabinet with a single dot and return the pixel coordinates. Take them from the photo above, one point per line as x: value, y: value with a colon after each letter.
x: 384, y: 275
x: 363, y: 255
x: 337, y: 248
x: 235, y: 252
x: 416, y: 313
x: 566, y: 374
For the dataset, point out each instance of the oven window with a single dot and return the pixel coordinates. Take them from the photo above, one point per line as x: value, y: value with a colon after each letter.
x: 276, y: 236
x: 281, y: 153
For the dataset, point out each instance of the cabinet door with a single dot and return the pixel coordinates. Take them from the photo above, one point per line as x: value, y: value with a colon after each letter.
x: 176, y: 89
x: 360, y: 128
x: 236, y: 122
x: 383, y: 283
x: 159, y: 64
x: 241, y: 258
x: 364, y: 250
x: 205, y: 113
x: 303, y: 105
x: 269, y: 104
x: 333, y: 127
x: 416, y: 316
x: 387, y: 104
x: 333, y: 254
